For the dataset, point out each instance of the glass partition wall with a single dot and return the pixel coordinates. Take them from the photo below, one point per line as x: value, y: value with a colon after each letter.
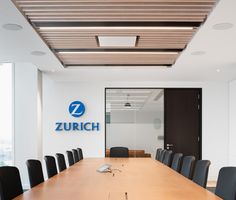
x: 135, y: 119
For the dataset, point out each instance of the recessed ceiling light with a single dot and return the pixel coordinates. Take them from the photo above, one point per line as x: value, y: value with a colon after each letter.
x: 12, y: 27
x: 198, y: 53
x: 117, y: 41
x: 38, y: 53
x: 218, y: 70
x: 223, y: 26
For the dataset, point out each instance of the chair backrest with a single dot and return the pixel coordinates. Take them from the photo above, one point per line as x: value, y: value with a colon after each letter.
x: 226, y: 183
x: 81, y: 157
x: 51, y: 166
x: 119, y: 152
x: 162, y: 154
x: 167, y: 158
x: 176, y: 161
x: 35, y: 172
x: 158, y: 152
x: 76, y: 155
x: 70, y: 158
x: 200, y: 173
x: 10, y: 183
x: 61, y: 162
x: 186, y: 169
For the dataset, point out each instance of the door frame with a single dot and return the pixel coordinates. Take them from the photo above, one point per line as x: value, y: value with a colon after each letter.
x: 130, y: 88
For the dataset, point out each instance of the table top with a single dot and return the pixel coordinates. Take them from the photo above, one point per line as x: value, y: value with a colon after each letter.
x: 131, y: 179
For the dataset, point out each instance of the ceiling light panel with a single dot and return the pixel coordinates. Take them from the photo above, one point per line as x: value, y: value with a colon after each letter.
x: 97, y: 28
x: 117, y: 41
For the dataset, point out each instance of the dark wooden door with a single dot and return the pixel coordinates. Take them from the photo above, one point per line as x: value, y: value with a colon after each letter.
x: 183, y: 121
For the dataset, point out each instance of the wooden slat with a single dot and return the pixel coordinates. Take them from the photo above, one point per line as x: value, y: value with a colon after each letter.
x: 96, y: 2
x: 70, y: 39
x: 120, y: 58
x: 115, y: 10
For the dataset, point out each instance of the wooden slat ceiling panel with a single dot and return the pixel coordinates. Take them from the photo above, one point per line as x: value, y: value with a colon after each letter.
x: 114, y: 10
x: 120, y: 58
x: 72, y: 39
x: 68, y: 25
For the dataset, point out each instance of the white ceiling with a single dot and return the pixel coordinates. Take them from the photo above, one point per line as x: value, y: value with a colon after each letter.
x: 140, y: 99
x: 16, y: 46
x: 220, y: 48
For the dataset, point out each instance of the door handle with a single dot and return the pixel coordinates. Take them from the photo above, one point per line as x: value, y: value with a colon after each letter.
x: 169, y: 145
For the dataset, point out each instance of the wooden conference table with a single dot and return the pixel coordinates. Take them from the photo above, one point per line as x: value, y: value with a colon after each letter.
x: 131, y: 179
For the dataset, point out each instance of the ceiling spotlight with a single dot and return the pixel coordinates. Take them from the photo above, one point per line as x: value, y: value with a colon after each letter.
x: 127, y: 104
x: 198, y: 53
x: 217, y: 70
x: 12, y: 27
x: 223, y: 26
x: 38, y: 53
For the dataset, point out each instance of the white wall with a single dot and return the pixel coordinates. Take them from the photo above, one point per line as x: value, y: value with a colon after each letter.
x: 232, y: 123
x: 58, y: 95
x: 27, y: 132
x: 215, y: 130
x: 56, y: 100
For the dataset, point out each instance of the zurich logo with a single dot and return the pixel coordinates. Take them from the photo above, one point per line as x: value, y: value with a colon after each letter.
x: 76, y: 108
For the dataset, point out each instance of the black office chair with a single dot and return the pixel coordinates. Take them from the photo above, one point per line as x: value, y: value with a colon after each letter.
x: 61, y: 162
x: 158, y: 152
x: 70, y: 158
x: 76, y: 155
x: 10, y: 183
x: 186, y: 169
x: 35, y: 172
x: 226, y: 183
x: 162, y: 155
x: 81, y: 157
x: 119, y: 152
x: 176, y: 161
x: 200, y: 173
x: 167, y: 158
x: 51, y: 166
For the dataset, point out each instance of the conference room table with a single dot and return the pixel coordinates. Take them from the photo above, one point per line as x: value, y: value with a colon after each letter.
x: 129, y: 179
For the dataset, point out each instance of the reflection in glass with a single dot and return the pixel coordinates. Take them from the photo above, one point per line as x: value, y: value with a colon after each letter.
x: 134, y: 119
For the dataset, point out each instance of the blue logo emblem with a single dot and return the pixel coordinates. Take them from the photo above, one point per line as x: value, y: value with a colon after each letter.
x: 77, y: 109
